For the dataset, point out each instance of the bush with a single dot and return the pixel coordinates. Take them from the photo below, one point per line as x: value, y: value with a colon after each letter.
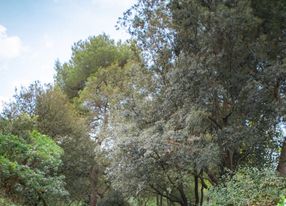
x: 6, y: 202
x: 114, y: 198
x: 282, y: 201
x: 249, y: 186
x: 29, y: 168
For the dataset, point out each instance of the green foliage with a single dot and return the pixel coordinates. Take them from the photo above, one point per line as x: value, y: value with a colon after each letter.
x: 51, y: 113
x: 99, y: 73
x: 113, y: 198
x: 202, y: 95
x: 87, y: 58
x: 24, y: 101
x: 29, y: 167
x: 218, y: 85
x: 282, y: 201
x: 58, y: 118
x: 249, y: 186
x: 6, y: 202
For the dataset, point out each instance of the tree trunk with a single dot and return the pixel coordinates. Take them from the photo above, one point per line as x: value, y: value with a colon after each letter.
x: 169, y: 203
x: 184, y: 201
x: 197, y: 197
x: 93, y: 178
x: 282, y: 160
x: 157, y: 200
x: 202, y: 193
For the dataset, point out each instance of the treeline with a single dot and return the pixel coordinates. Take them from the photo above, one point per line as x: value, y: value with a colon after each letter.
x: 189, y: 111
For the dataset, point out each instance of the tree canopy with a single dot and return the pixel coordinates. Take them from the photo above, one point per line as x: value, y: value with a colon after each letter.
x: 189, y: 111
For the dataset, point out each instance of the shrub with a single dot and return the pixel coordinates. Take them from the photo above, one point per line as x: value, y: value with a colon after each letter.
x: 282, y: 201
x: 114, y: 198
x: 249, y: 186
x: 28, y: 167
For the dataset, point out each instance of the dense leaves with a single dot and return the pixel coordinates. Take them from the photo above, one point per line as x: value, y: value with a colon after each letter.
x: 29, y: 167
x: 195, y: 102
x: 217, y: 71
x: 87, y: 58
x: 249, y: 186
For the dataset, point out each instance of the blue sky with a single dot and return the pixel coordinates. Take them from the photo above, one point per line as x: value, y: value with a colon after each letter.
x: 34, y: 33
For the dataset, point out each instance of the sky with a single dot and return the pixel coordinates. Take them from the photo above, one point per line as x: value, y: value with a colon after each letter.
x: 35, y: 33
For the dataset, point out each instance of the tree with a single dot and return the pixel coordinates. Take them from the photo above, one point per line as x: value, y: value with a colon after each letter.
x: 236, y: 190
x: 87, y: 58
x: 52, y: 114
x: 24, y: 101
x: 213, y: 59
x: 58, y: 118
x: 221, y: 54
x: 29, y: 168
x: 106, y: 69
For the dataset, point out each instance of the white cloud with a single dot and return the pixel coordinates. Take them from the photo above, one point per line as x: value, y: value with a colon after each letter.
x: 10, y: 46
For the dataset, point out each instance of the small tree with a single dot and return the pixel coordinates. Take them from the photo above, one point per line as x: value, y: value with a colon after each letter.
x: 29, y: 168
